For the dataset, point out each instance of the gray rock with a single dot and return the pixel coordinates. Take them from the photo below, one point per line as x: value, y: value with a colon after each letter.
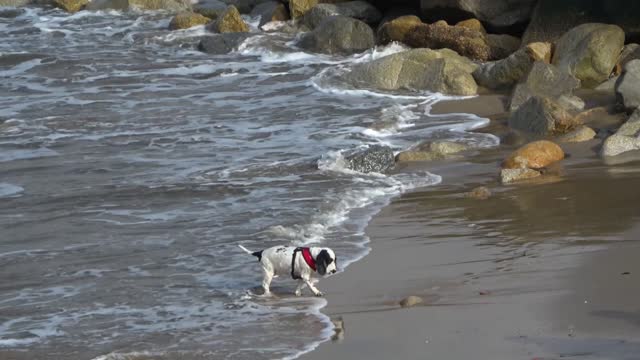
x: 441, y: 71
x: 360, y: 10
x: 543, y: 80
x: 376, y: 158
x: 270, y: 11
x: 627, y: 87
x: 508, y: 176
x: 502, y: 45
x: 629, y: 52
x: 609, y: 85
x: 589, y: 52
x: 410, y: 301
x: 126, y: 5
x: 11, y: 13
x: 504, y: 73
x: 625, y: 139
x: 243, y: 6
x: 498, y: 13
x: 339, y: 35
x: 542, y: 116
x: 209, y: 8
x: 222, y: 43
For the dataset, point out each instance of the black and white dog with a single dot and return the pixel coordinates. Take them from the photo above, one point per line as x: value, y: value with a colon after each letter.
x: 298, y: 262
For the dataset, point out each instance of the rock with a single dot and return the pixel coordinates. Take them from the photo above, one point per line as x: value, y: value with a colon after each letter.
x: 243, y: 6
x: 506, y: 72
x: 535, y: 155
x: 445, y: 147
x: 339, y: 35
x: 360, y: 10
x: 186, y: 20
x: 514, y: 175
x: 625, y: 139
x: 222, y: 43
x: 543, y: 80
x: 397, y: 29
x: 497, y: 13
x: 376, y: 158
x: 229, y: 21
x: 12, y: 3
x: 466, y: 42
x: 410, y: 301
x: 473, y: 24
x: 542, y: 116
x: 209, y: 8
x: 582, y: 133
x: 571, y: 103
x: 416, y: 155
x: 502, y: 45
x: 432, y: 150
x: 70, y: 5
x: 270, y: 11
x: 541, y: 51
x: 479, y: 193
x: 589, y: 52
x: 297, y: 8
x: 627, y: 88
x: 9, y: 13
x: 629, y: 52
x: 441, y: 71
x: 125, y: 5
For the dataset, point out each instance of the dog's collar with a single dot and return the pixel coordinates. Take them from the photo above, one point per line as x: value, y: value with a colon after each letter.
x: 306, y: 255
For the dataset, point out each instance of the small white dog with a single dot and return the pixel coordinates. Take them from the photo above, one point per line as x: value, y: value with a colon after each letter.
x: 299, y: 262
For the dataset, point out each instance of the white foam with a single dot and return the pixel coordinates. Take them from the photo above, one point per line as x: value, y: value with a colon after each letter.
x: 21, y: 68
x: 11, y: 155
x: 7, y: 190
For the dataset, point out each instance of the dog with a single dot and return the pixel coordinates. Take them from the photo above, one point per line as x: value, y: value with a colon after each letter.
x: 298, y: 262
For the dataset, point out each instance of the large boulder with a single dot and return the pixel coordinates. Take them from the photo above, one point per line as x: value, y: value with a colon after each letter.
x: 511, y: 70
x: 219, y: 44
x: 339, y: 35
x: 376, y: 158
x: 542, y: 116
x: 466, y: 42
x: 229, y: 21
x: 70, y: 5
x: 270, y: 11
x: 360, y: 10
x: 543, y: 80
x: 628, y: 86
x: 589, y: 52
x: 625, y: 139
x: 397, y: 29
x: 185, y: 20
x: 441, y: 71
x: 497, y: 13
x: 209, y: 8
x: 534, y: 155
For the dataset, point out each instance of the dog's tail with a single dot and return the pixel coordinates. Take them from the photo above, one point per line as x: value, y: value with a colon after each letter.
x: 257, y: 254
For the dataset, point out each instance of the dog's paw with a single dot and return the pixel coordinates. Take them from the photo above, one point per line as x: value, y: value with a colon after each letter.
x: 319, y: 294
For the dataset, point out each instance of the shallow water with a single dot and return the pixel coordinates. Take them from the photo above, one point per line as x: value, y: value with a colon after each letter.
x: 132, y: 165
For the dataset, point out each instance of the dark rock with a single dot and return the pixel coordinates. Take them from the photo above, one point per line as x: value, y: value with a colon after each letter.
x: 502, y: 45
x: 209, y: 8
x: 542, y: 116
x: 497, y: 13
x: 270, y: 11
x: 376, y: 158
x: 360, y: 10
x: 466, y: 42
x: 543, y: 80
x: 10, y: 13
x: 339, y: 35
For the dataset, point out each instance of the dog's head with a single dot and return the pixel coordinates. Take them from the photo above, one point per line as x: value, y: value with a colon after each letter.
x: 326, y: 262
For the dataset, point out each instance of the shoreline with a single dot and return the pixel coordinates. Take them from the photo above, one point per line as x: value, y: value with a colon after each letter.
x: 506, y: 277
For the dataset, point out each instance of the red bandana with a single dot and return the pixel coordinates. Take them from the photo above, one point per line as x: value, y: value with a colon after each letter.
x: 306, y: 254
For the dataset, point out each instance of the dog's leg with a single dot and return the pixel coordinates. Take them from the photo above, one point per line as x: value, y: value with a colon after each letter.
x: 266, y: 281
x: 301, y: 285
x: 315, y: 291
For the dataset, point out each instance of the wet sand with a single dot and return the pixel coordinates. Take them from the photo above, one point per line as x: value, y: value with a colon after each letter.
x: 544, y: 270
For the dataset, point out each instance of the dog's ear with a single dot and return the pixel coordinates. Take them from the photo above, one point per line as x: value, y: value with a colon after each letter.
x: 322, y: 261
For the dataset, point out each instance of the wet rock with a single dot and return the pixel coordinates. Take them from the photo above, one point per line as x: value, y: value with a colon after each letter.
x: 338, y: 329
x: 209, y: 8
x: 497, y: 13
x: 466, y: 42
x: 410, y: 301
x: 222, y: 43
x: 126, y: 5
x: 625, y: 139
x: 509, y: 71
x: 582, y: 133
x: 243, y: 6
x: 441, y: 71
x: 339, y: 35
x: 186, y: 20
x: 542, y: 116
x: 417, y: 155
x: 473, y: 24
x: 535, y: 155
x: 270, y: 11
x: 502, y: 45
x: 432, y: 150
x: 479, y: 193
x: 376, y: 158
x: 629, y: 52
x: 298, y: 8
x: 508, y: 176
x: 627, y: 87
x: 397, y: 29
x: 12, y: 3
x: 360, y: 10
x: 229, y: 21
x: 543, y: 80
x: 589, y: 52
x: 9, y: 13
x: 70, y: 5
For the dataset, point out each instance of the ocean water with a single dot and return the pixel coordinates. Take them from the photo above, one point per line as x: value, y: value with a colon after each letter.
x: 131, y: 166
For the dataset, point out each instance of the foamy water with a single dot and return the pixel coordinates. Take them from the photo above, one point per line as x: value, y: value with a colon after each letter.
x: 133, y: 165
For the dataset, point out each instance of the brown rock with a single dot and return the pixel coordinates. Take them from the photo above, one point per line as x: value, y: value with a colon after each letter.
x: 466, y: 42
x: 582, y: 133
x: 540, y: 51
x: 513, y: 175
x: 297, y: 8
x: 397, y: 29
x: 417, y: 155
x: 228, y: 22
x: 186, y: 20
x: 480, y: 193
x: 473, y: 24
x: 71, y: 5
x: 410, y: 301
x: 535, y: 155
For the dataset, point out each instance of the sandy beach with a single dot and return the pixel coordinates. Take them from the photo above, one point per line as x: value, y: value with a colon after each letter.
x: 544, y: 270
